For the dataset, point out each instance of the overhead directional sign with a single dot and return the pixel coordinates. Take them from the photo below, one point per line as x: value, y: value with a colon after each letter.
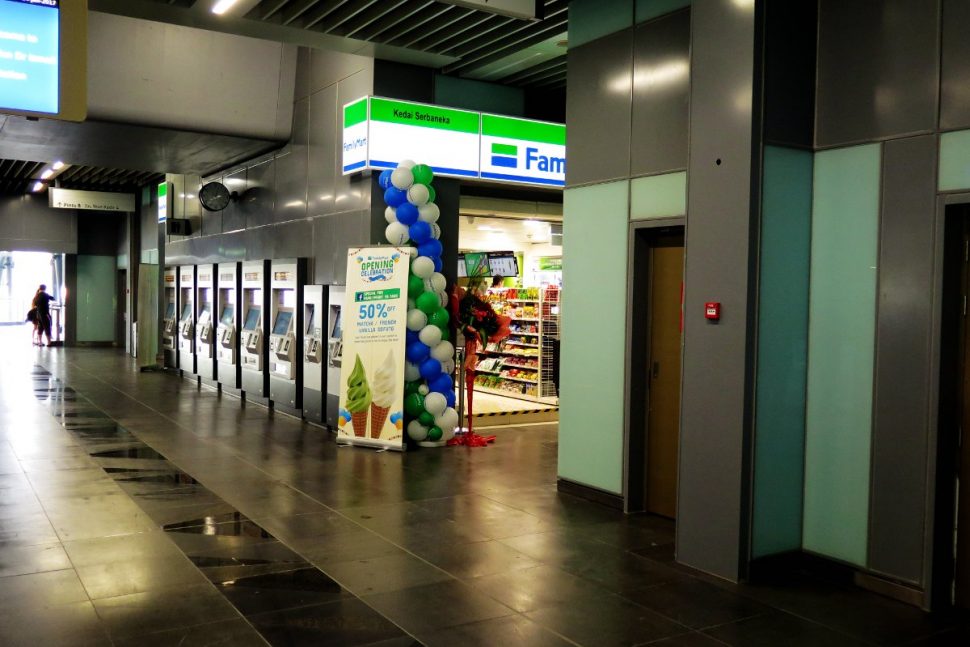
x: 378, y: 133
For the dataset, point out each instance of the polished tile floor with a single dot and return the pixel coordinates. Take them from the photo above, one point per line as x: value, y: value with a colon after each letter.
x: 136, y: 509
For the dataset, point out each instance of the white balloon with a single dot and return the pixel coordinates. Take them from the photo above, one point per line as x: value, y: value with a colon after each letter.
x: 448, y: 366
x: 414, y: 252
x: 406, y: 163
x: 448, y: 419
x: 447, y: 434
x: 435, y: 404
x: 422, y: 267
x: 390, y: 215
x: 438, y: 282
x: 402, y: 178
x: 416, y: 320
x: 444, y: 350
x: 430, y: 336
x: 418, y: 193
x: 443, y: 299
x: 411, y: 372
x: 417, y: 432
x: 424, y: 390
x: 396, y: 233
x: 428, y: 286
x: 411, y: 304
x: 429, y: 212
x: 435, y: 231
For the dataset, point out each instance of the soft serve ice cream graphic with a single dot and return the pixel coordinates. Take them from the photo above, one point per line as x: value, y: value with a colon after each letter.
x: 358, y: 398
x: 385, y: 383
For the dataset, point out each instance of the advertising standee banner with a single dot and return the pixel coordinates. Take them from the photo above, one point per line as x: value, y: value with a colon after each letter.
x: 372, y: 375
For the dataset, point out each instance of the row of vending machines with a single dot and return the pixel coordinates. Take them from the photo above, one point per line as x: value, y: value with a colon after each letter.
x: 259, y: 328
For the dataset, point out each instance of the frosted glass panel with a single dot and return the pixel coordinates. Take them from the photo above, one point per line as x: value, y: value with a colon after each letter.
x: 955, y: 161
x: 841, y: 339
x: 786, y: 226
x: 96, y: 295
x: 658, y: 196
x: 595, y: 226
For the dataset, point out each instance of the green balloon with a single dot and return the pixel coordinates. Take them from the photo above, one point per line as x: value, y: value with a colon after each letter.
x: 411, y: 387
x: 431, y: 194
x: 434, y: 434
x: 414, y: 404
x: 439, y: 317
x: 426, y: 419
x: 415, y: 286
x: 428, y: 302
x: 445, y: 335
x: 422, y: 174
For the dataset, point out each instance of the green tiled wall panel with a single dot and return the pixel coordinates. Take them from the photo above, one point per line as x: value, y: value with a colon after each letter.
x: 595, y: 232
x: 786, y: 227
x: 841, y: 336
x: 955, y: 161
x: 658, y: 196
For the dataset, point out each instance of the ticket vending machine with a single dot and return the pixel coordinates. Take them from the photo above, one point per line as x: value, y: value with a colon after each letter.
x: 170, y: 310
x: 335, y: 351
x: 314, y: 353
x: 205, y: 297
x: 286, y: 332
x: 186, y: 327
x: 227, y: 334
x: 254, y: 334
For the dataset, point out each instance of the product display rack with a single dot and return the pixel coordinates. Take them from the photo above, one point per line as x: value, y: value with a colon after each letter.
x: 520, y: 366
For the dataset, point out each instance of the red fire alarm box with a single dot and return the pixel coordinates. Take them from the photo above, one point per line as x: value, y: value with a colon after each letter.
x: 712, y: 311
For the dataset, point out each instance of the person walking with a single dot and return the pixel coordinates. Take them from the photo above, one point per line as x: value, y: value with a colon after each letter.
x: 42, y: 324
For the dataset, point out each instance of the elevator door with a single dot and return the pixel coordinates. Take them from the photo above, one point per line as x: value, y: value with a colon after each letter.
x: 663, y: 414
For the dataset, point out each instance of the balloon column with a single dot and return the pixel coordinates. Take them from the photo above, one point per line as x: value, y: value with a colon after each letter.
x: 412, y: 219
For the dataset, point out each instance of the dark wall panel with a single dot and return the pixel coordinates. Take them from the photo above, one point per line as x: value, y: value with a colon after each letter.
x: 661, y: 89
x: 955, y: 72
x: 715, y: 427
x: 598, y: 110
x: 233, y: 217
x: 28, y: 224
x: 904, y: 324
x: 403, y: 81
x: 292, y: 169
x: 98, y: 233
x: 878, y: 69
x: 322, y: 146
x: 260, y: 197
x: 791, y: 30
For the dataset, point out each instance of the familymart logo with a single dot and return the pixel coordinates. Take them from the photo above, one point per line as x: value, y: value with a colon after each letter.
x: 505, y: 155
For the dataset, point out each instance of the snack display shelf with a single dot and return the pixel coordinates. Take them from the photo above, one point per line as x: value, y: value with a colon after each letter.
x: 518, y: 343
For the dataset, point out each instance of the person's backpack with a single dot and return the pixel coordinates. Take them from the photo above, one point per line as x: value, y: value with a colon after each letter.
x: 32, y: 315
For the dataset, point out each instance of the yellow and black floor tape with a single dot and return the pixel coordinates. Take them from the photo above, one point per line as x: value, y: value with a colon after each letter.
x: 493, y: 414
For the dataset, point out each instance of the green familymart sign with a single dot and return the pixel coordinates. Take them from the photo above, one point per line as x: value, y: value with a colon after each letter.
x: 459, y: 143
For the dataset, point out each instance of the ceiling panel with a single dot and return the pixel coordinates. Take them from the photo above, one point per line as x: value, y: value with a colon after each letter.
x: 480, y: 44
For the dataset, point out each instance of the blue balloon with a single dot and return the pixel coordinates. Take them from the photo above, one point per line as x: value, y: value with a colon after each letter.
x: 412, y: 336
x: 450, y: 398
x: 385, y: 179
x: 395, y: 197
x: 430, y: 247
x: 430, y: 368
x: 421, y: 233
x: 407, y: 213
x: 418, y: 352
x: 441, y: 384
x: 438, y: 265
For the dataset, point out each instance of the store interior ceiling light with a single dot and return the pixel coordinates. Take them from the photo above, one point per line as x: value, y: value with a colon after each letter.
x: 46, y: 175
x: 222, y: 6
x: 58, y: 165
x: 38, y: 187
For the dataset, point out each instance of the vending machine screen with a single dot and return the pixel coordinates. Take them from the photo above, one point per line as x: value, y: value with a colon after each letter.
x: 170, y: 310
x: 226, y: 318
x: 309, y: 314
x: 282, y: 323
x: 186, y: 312
x: 252, y: 319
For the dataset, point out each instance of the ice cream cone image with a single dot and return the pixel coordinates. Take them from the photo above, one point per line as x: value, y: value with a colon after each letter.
x: 385, y: 382
x: 359, y: 421
x: 358, y: 398
x: 378, y: 415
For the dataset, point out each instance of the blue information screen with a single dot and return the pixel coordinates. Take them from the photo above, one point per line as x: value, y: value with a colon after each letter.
x: 29, y: 49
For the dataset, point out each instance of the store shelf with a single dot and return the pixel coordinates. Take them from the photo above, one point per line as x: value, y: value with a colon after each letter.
x: 523, y: 319
x: 518, y: 343
x: 525, y: 334
x: 505, y: 352
x: 517, y: 379
x: 507, y: 394
x: 483, y: 371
